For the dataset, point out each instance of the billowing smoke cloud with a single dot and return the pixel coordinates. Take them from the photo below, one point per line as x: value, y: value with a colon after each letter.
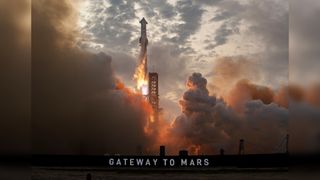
x: 244, y: 91
x: 209, y: 123
x: 304, y: 124
x: 76, y: 108
x: 196, y: 126
x: 233, y: 80
x: 237, y: 108
x: 15, y: 62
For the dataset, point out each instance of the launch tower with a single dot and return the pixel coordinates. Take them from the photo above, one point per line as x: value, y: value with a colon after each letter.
x: 154, y: 94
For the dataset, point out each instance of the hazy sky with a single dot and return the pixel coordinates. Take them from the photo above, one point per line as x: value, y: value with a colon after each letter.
x: 186, y: 36
x: 304, y: 41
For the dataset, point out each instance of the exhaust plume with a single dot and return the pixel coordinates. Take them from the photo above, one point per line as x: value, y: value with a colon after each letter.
x: 238, y: 109
x: 77, y: 104
x: 208, y: 123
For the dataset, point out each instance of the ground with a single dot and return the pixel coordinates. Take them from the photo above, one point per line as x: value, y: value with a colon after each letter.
x: 100, y: 174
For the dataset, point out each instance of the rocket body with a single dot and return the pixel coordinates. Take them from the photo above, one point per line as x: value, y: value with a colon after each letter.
x: 143, y: 45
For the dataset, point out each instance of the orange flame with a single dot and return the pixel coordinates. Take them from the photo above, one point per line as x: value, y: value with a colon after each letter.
x: 137, y: 100
x: 140, y: 76
x: 195, y: 149
x: 154, y: 129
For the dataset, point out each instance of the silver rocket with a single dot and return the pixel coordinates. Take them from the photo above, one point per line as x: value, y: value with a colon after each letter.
x: 144, y: 43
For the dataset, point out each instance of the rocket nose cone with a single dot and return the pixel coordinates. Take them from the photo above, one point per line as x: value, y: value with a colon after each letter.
x: 143, y: 21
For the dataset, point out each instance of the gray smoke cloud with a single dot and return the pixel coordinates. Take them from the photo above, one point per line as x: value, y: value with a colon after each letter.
x: 210, y: 123
x: 75, y: 106
x: 15, y: 59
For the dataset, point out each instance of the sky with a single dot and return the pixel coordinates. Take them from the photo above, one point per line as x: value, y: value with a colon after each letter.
x: 188, y: 36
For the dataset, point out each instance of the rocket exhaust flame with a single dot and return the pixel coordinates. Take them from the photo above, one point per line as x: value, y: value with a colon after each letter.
x: 136, y: 99
x: 140, y: 77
